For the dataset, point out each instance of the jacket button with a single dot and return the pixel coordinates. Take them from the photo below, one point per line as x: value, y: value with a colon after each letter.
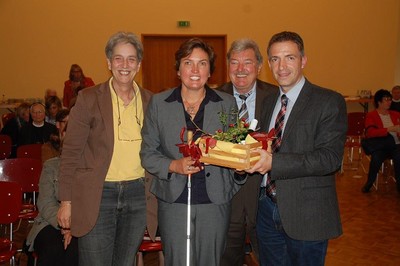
x: 208, y: 175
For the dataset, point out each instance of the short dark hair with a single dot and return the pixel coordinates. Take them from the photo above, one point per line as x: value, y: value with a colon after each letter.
x: 187, y: 47
x: 63, y: 113
x: 379, y: 95
x: 285, y: 36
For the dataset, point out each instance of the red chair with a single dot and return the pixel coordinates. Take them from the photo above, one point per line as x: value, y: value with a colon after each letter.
x: 7, y: 117
x: 10, y: 198
x: 26, y: 172
x: 5, y: 147
x: 355, y: 132
x: 30, y: 151
x: 148, y: 245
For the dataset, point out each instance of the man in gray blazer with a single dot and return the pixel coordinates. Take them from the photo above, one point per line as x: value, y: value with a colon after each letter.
x: 244, y: 64
x: 298, y: 211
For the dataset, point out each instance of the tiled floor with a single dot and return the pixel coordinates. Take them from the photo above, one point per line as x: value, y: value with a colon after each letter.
x: 371, y: 224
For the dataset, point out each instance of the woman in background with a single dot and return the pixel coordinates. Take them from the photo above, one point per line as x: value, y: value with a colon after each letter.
x: 51, y: 148
x: 380, y: 123
x: 76, y: 79
x: 53, y: 105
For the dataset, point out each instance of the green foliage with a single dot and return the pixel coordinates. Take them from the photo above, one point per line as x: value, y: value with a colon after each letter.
x: 236, y: 132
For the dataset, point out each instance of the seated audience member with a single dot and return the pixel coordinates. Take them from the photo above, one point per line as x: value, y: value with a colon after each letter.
x: 48, y: 93
x: 12, y: 127
x: 380, y: 123
x: 53, y: 105
x: 38, y: 131
x: 50, y: 149
x: 395, y: 106
x: 52, y: 245
x: 76, y: 79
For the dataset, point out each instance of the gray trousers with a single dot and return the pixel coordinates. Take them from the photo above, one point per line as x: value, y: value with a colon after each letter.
x: 209, y: 226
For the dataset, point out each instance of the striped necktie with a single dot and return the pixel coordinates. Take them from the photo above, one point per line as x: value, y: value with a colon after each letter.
x: 279, y: 123
x: 243, y: 112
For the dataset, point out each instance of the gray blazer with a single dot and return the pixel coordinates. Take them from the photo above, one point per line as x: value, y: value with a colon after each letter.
x: 304, y: 169
x: 47, y: 201
x: 161, y: 130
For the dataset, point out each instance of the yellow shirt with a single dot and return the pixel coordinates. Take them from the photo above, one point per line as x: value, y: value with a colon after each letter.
x: 128, y: 120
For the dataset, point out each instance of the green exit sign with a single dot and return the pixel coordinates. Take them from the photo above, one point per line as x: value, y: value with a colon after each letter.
x: 183, y: 23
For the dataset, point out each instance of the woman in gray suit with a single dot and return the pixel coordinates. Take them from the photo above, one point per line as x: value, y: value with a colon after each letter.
x: 195, y: 106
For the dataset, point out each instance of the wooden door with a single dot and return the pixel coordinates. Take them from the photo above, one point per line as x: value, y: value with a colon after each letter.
x: 158, y: 65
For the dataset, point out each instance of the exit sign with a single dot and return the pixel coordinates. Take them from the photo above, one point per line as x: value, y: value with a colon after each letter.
x: 183, y: 23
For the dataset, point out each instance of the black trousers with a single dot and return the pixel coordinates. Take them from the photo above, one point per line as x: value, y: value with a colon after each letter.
x: 377, y: 158
x: 49, y: 247
x: 242, y: 222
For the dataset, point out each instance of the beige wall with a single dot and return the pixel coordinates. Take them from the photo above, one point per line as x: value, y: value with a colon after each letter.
x: 397, y: 71
x: 350, y: 44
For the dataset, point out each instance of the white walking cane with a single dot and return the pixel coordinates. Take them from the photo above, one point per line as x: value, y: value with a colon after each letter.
x: 188, y: 222
x: 189, y: 187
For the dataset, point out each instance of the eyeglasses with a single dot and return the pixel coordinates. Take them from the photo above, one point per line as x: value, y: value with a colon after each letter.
x: 387, y: 98
x: 119, y: 120
x: 37, y: 112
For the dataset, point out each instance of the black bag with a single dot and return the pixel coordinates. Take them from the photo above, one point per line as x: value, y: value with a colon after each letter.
x: 370, y: 145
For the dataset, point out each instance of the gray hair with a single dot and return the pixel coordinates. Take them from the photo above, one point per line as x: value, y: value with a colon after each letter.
x: 124, y: 37
x: 244, y: 44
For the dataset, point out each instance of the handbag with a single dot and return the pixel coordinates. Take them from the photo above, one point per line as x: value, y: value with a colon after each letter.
x: 371, y: 145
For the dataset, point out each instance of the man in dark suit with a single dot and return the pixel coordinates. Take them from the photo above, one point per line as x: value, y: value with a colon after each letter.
x: 244, y: 64
x: 38, y: 131
x: 395, y: 99
x: 298, y: 211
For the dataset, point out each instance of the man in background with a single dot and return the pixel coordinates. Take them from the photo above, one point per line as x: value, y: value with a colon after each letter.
x: 395, y: 106
x: 37, y: 131
x: 244, y: 64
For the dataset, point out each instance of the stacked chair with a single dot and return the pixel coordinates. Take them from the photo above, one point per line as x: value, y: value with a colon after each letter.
x: 355, y: 132
x: 10, y: 207
x: 5, y: 147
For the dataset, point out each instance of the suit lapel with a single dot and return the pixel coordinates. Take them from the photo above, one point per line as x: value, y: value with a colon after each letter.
x: 260, y: 96
x: 210, y: 117
x: 299, y: 106
x: 106, y: 111
x: 268, y: 107
x: 145, y: 98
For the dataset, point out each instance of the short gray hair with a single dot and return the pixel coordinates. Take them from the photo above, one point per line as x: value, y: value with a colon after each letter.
x: 244, y: 44
x: 124, y: 37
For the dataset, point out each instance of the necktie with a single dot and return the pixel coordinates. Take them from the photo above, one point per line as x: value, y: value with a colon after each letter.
x: 279, y: 123
x: 243, y: 112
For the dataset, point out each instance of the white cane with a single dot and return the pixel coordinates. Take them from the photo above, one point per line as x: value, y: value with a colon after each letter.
x: 189, y: 187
